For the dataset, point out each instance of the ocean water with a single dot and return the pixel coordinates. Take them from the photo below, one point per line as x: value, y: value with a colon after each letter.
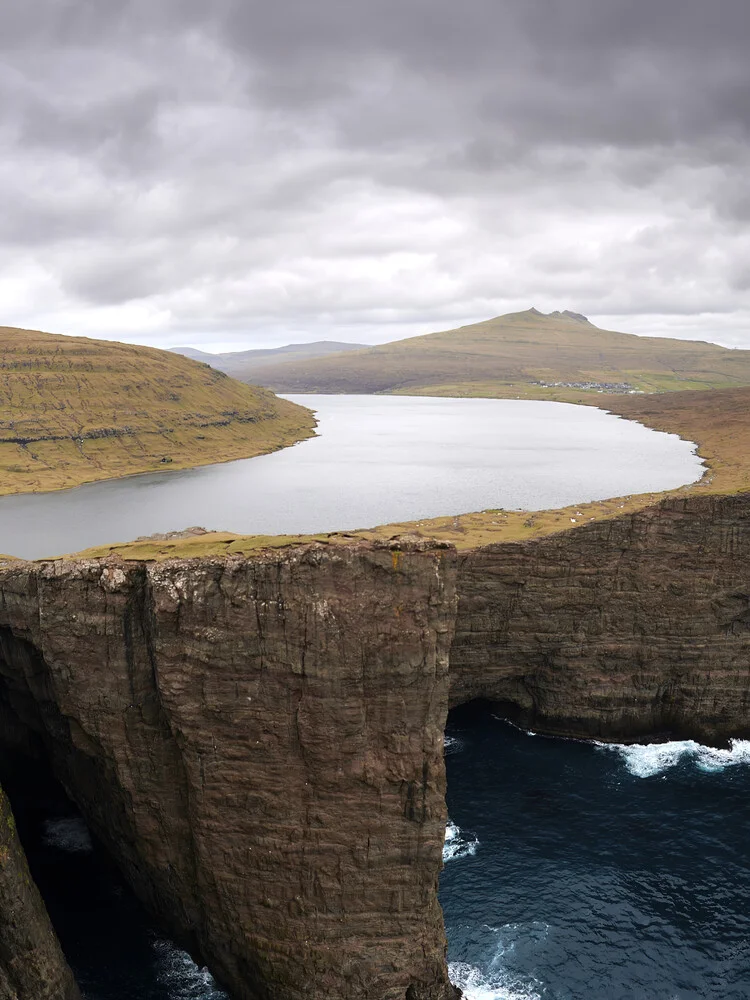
x: 592, y: 871
x: 377, y: 460
x: 115, y: 950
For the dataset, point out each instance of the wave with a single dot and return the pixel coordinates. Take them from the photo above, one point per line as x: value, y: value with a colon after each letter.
x: 185, y: 980
x: 456, y: 845
x: 643, y: 760
x: 495, y: 984
x: 452, y: 744
x: 68, y: 834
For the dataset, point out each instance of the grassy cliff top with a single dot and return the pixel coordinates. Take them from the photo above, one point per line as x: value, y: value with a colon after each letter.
x: 521, y: 354
x: 74, y: 410
x: 719, y: 421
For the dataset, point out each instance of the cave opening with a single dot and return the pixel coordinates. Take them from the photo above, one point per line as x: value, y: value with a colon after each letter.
x: 575, y: 869
x: 116, y: 951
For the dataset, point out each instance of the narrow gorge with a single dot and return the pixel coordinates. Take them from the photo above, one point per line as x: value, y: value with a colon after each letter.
x: 257, y: 740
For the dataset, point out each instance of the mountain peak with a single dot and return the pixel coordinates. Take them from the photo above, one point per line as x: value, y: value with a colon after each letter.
x: 569, y: 314
x: 557, y: 314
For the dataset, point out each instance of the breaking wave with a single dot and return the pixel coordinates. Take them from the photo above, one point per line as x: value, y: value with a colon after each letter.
x: 457, y: 845
x: 451, y: 744
x: 68, y: 834
x: 643, y: 760
x: 494, y: 984
x: 184, y: 979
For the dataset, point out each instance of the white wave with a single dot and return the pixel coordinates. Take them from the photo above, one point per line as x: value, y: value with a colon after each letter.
x: 452, y: 744
x: 643, y: 760
x: 496, y: 984
x: 69, y: 834
x: 456, y: 845
x: 185, y: 979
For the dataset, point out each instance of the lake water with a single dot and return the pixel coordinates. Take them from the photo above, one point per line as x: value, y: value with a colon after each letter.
x: 377, y: 459
x: 577, y: 871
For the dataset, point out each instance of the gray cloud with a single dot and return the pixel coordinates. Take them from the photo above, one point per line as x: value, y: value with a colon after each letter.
x: 246, y: 173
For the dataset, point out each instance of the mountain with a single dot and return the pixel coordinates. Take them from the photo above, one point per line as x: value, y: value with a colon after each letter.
x: 244, y: 364
x: 73, y: 410
x: 521, y: 354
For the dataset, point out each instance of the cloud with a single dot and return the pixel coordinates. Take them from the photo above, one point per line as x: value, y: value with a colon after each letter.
x: 249, y: 174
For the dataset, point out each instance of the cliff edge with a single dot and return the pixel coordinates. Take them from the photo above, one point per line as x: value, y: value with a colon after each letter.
x: 257, y: 739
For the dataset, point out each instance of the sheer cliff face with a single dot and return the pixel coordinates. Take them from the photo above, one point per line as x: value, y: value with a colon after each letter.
x: 620, y: 629
x: 259, y: 741
x: 31, y: 962
x: 259, y: 744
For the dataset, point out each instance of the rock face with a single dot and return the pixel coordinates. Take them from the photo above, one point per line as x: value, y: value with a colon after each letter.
x: 258, y: 740
x: 32, y: 966
x: 620, y: 629
x: 259, y: 745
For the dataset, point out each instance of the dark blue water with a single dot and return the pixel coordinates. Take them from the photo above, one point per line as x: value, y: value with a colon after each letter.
x: 578, y: 872
x: 114, y: 948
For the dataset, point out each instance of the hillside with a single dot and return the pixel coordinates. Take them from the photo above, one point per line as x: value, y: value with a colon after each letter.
x: 528, y: 354
x: 245, y: 364
x: 73, y: 410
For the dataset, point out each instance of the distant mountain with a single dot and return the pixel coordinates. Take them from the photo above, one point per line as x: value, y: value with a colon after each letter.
x: 521, y: 354
x: 243, y: 365
x: 190, y: 352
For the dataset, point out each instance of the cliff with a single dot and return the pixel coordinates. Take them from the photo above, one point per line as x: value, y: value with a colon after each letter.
x: 621, y: 629
x: 31, y: 962
x: 257, y: 739
x: 258, y: 743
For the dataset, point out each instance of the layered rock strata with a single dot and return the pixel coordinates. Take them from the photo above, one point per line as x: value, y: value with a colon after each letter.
x: 623, y: 629
x: 258, y: 743
x: 32, y: 966
x: 257, y: 740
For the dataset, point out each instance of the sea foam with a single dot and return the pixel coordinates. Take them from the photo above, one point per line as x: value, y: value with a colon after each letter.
x: 643, y: 760
x: 185, y: 980
x: 68, y: 834
x: 495, y: 984
x: 456, y: 844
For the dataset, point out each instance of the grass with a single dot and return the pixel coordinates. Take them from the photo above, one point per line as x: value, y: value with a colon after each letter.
x: 75, y: 410
x: 719, y: 421
x: 506, y: 356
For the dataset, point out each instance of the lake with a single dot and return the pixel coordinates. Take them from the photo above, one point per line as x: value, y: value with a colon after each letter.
x: 377, y: 459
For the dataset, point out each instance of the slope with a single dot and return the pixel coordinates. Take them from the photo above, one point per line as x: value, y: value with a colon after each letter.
x: 245, y: 364
x: 73, y: 410
x: 520, y: 354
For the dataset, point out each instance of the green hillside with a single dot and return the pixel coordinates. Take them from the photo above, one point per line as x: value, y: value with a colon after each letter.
x: 522, y: 354
x: 73, y: 410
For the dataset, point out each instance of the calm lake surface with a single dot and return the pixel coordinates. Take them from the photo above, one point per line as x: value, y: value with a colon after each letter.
x: 377, y: 459
x: 577, y: 871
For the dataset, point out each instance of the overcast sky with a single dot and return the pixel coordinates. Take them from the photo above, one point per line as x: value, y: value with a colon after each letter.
x: 238, y: 173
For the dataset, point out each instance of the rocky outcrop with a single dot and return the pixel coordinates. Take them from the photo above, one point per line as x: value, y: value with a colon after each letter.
x: 258, y: 740
x: 32, y: 966
x: 258, y: 743
x: 621, y: 629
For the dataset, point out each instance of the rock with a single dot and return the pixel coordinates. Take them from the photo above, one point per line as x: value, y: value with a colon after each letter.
x: 32, y: 966
x: 624, y: 629
x: 258, y: 744
x: 258, y: 740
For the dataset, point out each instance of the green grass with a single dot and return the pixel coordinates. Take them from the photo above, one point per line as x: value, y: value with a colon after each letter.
x: 75, y: 410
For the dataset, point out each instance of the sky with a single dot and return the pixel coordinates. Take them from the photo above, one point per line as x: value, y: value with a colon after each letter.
x: 230, y: 174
